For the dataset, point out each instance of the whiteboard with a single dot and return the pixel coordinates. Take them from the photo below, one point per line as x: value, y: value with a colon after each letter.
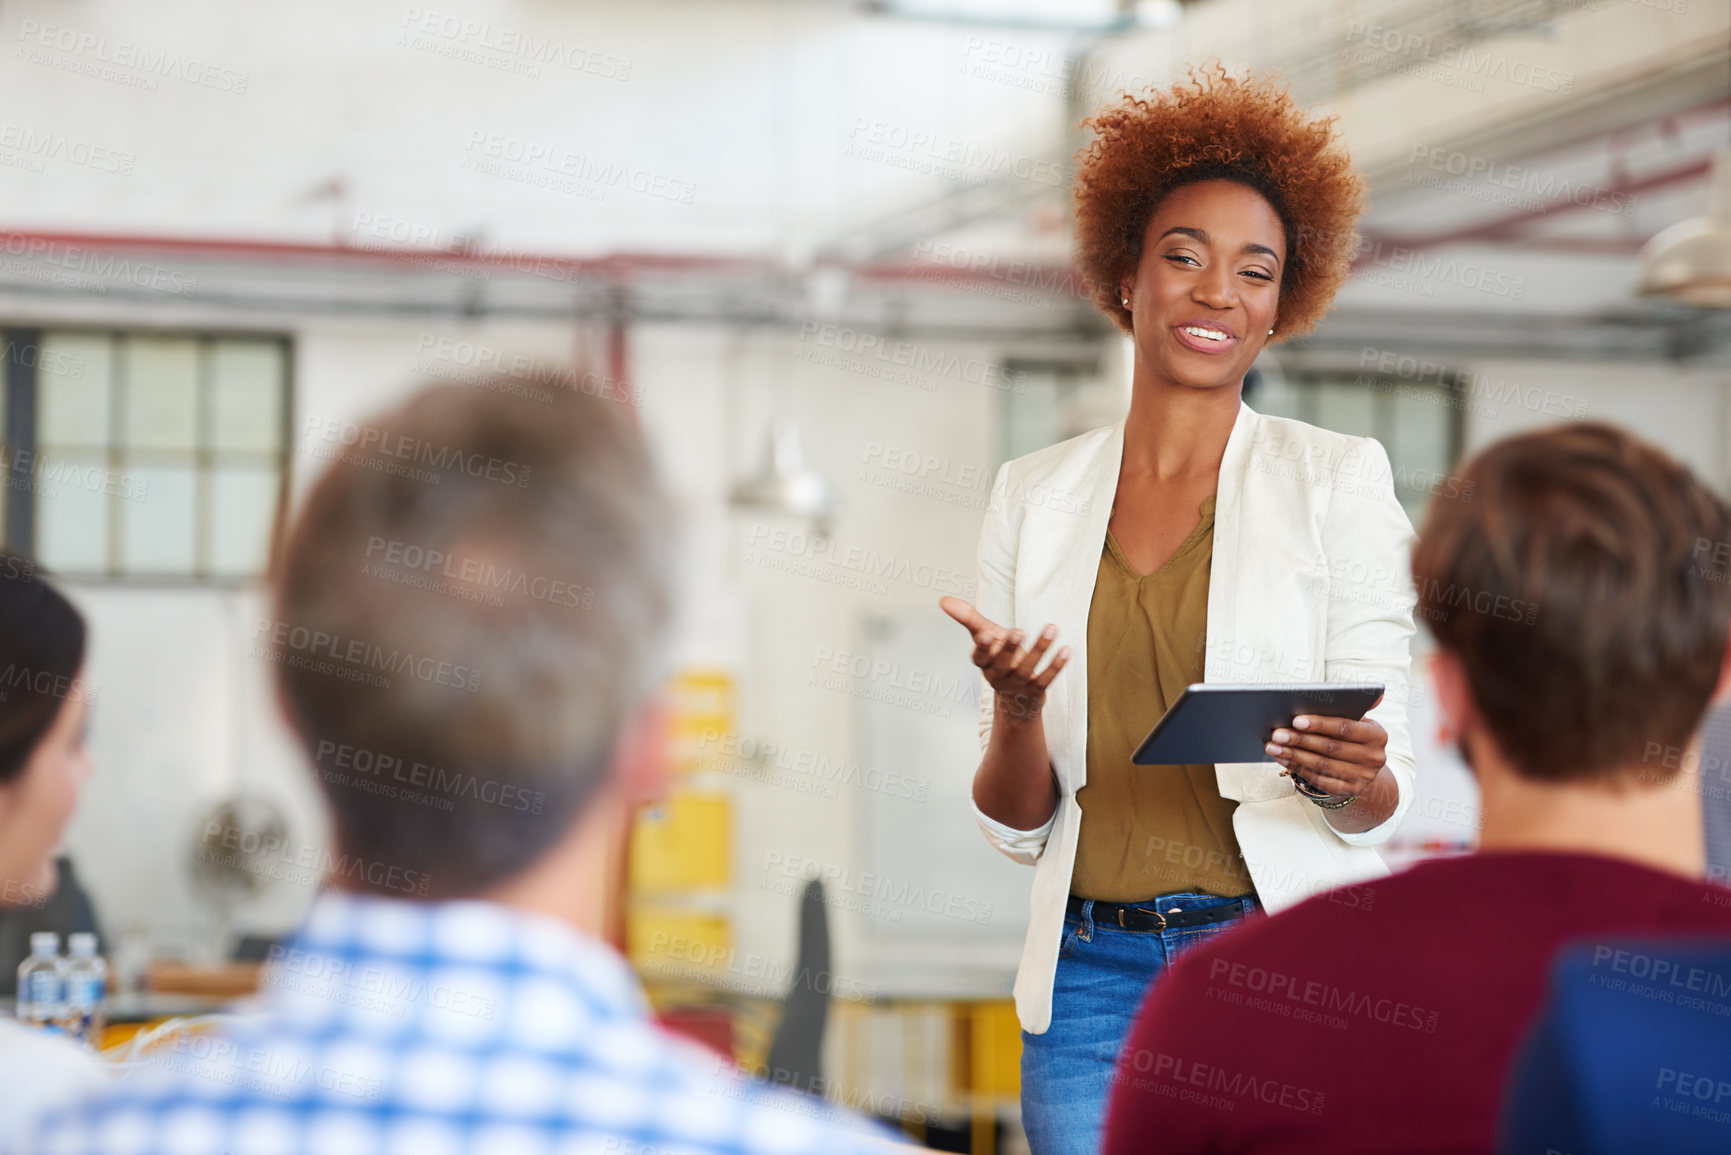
x: 938, y: 881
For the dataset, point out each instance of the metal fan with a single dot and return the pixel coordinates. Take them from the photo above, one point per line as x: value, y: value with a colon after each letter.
x: 236, y: 850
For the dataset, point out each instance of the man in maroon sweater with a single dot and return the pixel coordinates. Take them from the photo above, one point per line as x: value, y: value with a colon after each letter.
x: 1581, y: 626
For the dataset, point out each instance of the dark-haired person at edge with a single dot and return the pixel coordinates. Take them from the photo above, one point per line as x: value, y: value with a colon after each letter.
x: 1195, y: 540
x: 43, y: 765
x: 1579, y: 643
x: 448, y: 991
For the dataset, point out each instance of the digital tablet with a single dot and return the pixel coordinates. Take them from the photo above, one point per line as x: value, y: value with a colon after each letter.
x: 1218, y: 723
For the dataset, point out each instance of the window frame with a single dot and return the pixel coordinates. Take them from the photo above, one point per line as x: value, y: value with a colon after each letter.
x: 21, y: 433
x: 1304, y: 384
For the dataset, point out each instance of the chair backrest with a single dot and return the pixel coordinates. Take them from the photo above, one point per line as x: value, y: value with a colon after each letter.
x: 796, y: 1052
x: 1715, y: 769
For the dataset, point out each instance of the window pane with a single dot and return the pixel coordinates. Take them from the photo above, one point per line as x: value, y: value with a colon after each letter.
x: 156, y: 534
x: 246, y: 398
x: 1421, y: 429
x: 72, y: 393
x: 72, y: 512
x: 158, y: 454
x: 242, y: 506
x: 1346, y: 409
x: 1033, y: 416
x: 161, y: 404
x: 1275, y: 396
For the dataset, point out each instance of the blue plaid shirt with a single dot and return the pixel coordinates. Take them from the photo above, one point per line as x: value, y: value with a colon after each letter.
x: 404, y: 1028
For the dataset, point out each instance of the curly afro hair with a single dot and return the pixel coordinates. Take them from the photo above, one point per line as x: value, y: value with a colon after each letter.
x: 1215, y: 127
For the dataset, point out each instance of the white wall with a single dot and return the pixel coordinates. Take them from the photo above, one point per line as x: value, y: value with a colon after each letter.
x: 750, y: 108
x: 1684, y: 410
x: 185, y: 714
x: 789, y: 618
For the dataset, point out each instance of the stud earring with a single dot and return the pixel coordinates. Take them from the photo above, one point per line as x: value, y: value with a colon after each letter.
x: 1271, y: 332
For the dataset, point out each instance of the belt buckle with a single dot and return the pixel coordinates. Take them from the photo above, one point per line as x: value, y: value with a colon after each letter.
x: 1144, y: 910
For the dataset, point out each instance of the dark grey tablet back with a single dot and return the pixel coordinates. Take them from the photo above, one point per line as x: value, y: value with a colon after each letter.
x: 1219, y: 723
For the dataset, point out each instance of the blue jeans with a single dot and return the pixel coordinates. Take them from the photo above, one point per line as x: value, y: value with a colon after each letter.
x: 1103, y: 973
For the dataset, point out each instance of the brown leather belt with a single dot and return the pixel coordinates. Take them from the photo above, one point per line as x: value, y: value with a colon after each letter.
x: 1148, y: 917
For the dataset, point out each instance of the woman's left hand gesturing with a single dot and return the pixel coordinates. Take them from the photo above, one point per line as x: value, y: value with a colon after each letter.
x: 1338, y: 755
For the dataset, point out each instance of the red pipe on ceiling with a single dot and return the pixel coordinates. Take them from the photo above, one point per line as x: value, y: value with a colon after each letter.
x: 1504, y: 228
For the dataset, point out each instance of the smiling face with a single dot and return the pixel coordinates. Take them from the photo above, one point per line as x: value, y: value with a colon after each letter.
x: 1207, y: 289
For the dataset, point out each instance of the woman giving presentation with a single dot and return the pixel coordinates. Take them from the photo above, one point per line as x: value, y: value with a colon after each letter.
x: 1205, y: 542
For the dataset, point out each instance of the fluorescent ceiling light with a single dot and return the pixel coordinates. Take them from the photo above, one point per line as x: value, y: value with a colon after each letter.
x: 1058, y: 15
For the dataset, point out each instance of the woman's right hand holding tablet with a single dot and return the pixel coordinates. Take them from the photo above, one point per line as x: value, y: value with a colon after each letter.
x: 1013, y: 672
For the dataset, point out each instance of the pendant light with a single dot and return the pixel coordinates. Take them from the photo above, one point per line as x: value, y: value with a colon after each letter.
x: 1690, y: 262
x: 783, y: 484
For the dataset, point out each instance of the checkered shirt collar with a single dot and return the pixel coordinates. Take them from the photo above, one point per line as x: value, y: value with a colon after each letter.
x: 468, y: 972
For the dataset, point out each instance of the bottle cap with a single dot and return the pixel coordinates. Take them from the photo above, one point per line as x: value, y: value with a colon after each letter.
x: 83, y: 944
x: 45, y: 942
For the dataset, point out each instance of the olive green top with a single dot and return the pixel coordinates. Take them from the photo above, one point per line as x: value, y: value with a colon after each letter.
x: 1150, y: 830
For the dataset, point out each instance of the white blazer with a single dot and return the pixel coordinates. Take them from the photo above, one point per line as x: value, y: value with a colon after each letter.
x: 1309, y: 583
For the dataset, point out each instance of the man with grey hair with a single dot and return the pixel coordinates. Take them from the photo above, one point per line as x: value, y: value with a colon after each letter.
x: 467, y: 634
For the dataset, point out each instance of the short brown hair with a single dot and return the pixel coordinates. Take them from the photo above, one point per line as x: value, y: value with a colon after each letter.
x: 470, y: 604
x: 1216, y: 127
x: 1577, y: 588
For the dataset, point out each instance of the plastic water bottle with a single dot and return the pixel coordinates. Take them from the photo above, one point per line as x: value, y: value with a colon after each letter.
x: 86, y: 991
x: 41, y: 983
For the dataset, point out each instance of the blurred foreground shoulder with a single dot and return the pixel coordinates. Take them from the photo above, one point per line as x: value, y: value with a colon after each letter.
x: 40, y: 1074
